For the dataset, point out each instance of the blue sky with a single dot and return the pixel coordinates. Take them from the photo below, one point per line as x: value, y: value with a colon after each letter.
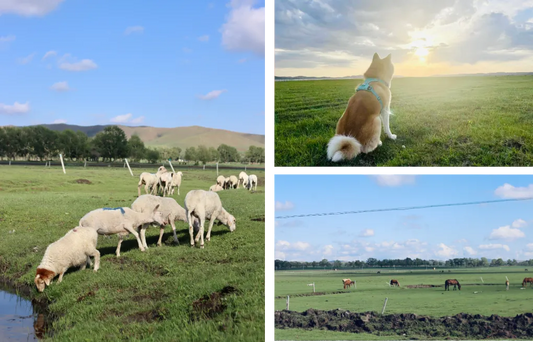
x: 491, y: 230
x: 162, y: 64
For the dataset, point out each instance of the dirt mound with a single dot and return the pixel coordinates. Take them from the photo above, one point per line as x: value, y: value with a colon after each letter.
x: 460, y: 326
x: 209, y: 306
x: 83, y: 181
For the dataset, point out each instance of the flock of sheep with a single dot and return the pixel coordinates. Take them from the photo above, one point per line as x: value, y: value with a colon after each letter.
x: 79, y: 244
x: 223, y: 183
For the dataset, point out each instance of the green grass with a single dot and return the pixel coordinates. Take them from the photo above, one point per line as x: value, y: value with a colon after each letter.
x: 455, y: 121
x: 372, y: 289
x: 325, y: 335
x: 146, y: 296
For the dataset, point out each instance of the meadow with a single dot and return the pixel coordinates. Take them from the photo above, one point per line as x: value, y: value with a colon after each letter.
x: 441, y: 121
x: 483, y: 292
x: 168, y: 293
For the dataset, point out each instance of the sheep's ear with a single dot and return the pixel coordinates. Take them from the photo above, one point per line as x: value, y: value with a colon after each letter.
x: 156, y: 207
x: 47, y: 281
x: 376, y: 57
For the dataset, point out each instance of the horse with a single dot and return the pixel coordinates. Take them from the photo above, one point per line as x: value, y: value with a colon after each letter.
x: 507, y: 285
x: 347, y: 282
x: 453, y: 282
x: 527, y: 280
x: 394, y: 282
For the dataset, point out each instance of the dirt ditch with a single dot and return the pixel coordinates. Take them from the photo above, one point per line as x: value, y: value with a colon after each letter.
x: 83, y: 181
x: 210, y: 305
x: 423, y: 286
x: 460, y: 326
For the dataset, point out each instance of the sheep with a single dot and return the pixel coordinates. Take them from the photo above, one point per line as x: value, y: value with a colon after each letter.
x: 252, y: 180
x: 121, y: 221
x: 221, y: 180
x: 165, y: 181
x: 170, y: 209
x: 160, y: 172
x: 234, y: 182
x: 226, y: 183
x: 150, y: 180
x: 244, y: 178
x: 72, y: 250
x: 206, y: 205
x: 176, y: 182
x: 216, y: 188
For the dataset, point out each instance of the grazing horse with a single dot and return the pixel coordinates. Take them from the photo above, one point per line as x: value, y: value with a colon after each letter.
x: 394, y: 282
x: 347, y: 282
x: 527, y: 280
x: 453, y: 282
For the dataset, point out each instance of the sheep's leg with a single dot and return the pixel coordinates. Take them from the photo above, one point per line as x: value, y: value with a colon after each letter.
x: 191, y: 228
x: 60, y: 277
x: 130, y: 229
x: 213, y: 216
x: 200, y: 235
x: 96, y: 255
x: 178, y: 190
x: 120, y: 238
x: 84, y: 265
x: 161, y: 231
x: 146, y: 187
x: 139, y: 189
x: 142, y: 232
x: 174, y: 232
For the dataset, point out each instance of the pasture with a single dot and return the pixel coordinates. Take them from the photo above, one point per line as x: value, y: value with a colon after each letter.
x: 446, y: 121
x: 476, y: 296
x: 167, y: 293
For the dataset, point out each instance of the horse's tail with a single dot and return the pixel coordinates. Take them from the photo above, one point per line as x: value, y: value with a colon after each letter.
x: 458, y: 285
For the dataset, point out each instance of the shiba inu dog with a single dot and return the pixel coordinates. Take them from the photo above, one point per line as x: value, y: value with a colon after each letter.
x: 359, y: 128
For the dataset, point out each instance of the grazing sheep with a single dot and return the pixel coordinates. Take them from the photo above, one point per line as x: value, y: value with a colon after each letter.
x: 216, y: 188
x: 176, y: 182
x: 252, y: 180
x: 244, y: 178
x: 206, y: 205
x: 226, y: 183
x: 165, y: 181
x: 150, y: 180
x: 221, y: 180
x: 170, y: 209
x: 234, y: 182
x: 121, y: 221
x: 72, y: 250
x: 160, y: 172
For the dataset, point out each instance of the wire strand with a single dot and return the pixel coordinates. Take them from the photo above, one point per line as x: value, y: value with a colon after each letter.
x: 403, y: 208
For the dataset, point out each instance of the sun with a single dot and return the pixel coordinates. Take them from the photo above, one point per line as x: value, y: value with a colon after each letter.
x: 422, y: 52
x: 421, y: 47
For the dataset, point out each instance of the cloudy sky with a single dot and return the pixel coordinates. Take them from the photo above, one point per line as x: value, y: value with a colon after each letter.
x: 339, y: 37
x: 163, y: 64
x: 491, y: 230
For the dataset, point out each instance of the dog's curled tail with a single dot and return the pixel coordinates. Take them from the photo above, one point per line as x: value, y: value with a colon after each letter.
x: 342, y: 147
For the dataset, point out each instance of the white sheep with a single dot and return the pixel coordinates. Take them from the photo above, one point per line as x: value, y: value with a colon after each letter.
x: 252, y: 180
x: 204, y: 205
x: 170, y: 209
x: 72, y: 250
x: 165, y: 181
x: 244, y: 178
x: 216, y: 188
x: 221, y: 180
x: 160, y: 171
x: 226, y: 183
x: 150, y: 180
x: 176, y: 182
x: 234, y: 182
x: 121, y: 221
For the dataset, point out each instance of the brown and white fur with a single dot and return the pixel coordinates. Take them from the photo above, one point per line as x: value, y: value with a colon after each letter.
x: 359, y: 128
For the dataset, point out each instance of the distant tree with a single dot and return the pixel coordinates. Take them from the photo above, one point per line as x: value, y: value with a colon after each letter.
x: 337, y: 264
x: 255, y: 154
x: 152, y: 155
x: 111, y: 143
x: 484, y: 262
x: 202, y: 154
x: 325, y: 263
x: 214, y: 155
x: 3, y: 143
x: 228, y: 153
x: 190, y: 154
x: 136, y: 148
x: 41, y: 142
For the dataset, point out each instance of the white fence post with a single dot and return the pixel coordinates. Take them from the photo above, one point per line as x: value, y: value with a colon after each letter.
x: 10, y: 163
x: 62, y: 164
x: 482, y: 280
x: 355, y: 284
x: 313, y: 287
x: 172, y: 167
x: 384, y: 306
x: 129, y: 168
x: 217, y: 169
x: 85, y: 164
x: 204, y: 167
x: 287, y: 304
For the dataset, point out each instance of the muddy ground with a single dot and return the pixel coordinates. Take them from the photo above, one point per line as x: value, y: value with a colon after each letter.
x: 460, y: 326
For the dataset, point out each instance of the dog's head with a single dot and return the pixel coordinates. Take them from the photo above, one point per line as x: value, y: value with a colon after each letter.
x: 381, y: 68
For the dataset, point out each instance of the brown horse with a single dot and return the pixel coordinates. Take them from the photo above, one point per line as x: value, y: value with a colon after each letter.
x: 347, y: 282
x: 394, y: 282
x: 527, y: 280
x: 453, y: 282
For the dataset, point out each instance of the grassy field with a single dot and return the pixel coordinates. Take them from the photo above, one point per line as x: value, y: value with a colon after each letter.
x: 159, y: 295
x: 455, y: 121
x: 475, y: 296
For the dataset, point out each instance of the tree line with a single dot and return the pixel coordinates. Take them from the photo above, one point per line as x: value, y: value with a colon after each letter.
x: 407, y: 263
x: 42, y: 143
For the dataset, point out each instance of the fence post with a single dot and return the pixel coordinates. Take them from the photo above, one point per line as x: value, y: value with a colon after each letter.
x: 172, y: 167
x: 355, y: 284
x: 384, y: 306
x: 217, y: 169
x: 313, y: 287
x: 129, y: 168
x: 85, y: 164
x: 10, y: 163
x: 62, y: 164
x: 482, y: 280
x: 287, y: 304
x: 204, y: 167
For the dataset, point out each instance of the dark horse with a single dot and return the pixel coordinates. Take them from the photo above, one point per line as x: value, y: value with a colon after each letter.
x: 453, y: 282
x: 527, y: 280
x: 394, y: 282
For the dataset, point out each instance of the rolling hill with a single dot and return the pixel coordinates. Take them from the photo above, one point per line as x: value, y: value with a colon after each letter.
x: 182, y: 137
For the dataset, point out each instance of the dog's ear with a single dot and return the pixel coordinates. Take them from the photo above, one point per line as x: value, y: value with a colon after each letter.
x: 388, y: 57
x: 376, y: 57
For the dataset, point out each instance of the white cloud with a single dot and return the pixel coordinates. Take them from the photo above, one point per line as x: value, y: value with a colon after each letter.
x: 26, y: 60
x: 49, y: 54
x: 83, y: 65
x: 244, y: 29
x: 509, y: 191
x: 462, y: 241
x: 5, y: 39
x: 367, y: 232
x: 16, y: 108
x: 280, y: 206
x: 212, y: 94
x: 133, y: 29
x: 470, y: 250
x: 519, y: 223
x: 394, y: 180
x: 494, y: 246
x: 138, y: 120
x: 446, y: 251
x: 529, y: 246
x: 288, y: 251
x: 60, y: 86
x: 204, y: 38
x: 59, y: 121
x: 127, y: 118
x: 506, y: 233
x: 28, y: 7
x: 328, y: 250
